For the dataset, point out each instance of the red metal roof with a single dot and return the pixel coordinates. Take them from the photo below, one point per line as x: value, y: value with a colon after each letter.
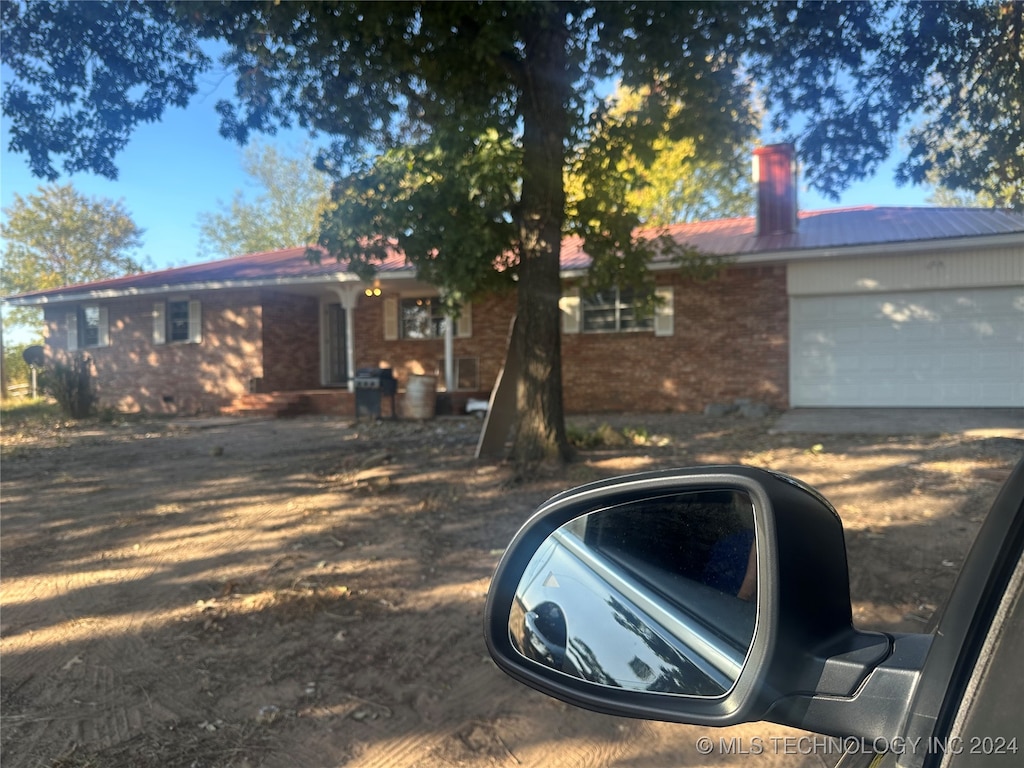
x: 850, y: 227
x: 817, y: 230
x: 830, y: 229
x: 290, y: 264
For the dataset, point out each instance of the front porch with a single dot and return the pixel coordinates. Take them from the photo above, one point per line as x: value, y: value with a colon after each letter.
x: 340, y: 402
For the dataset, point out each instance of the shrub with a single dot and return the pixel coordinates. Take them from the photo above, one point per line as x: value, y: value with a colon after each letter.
x: 604, y: 436
x: 69, y: 381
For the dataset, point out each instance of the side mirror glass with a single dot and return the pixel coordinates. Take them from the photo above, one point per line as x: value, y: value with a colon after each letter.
x: 656, y: 594
x: 710, y: 595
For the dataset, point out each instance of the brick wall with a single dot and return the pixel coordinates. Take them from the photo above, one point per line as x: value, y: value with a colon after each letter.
x: 291, y: 342
x: 133, y: 374
x: 490, y: 324
x: 729, y: 341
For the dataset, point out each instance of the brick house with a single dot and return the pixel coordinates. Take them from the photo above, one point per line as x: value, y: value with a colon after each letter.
x: 868, y: 306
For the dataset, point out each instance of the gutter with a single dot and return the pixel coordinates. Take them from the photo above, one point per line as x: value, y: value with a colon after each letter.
x: 202, y: 285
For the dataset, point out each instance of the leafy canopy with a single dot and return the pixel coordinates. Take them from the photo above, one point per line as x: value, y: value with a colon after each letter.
x: 86, y: 74
x: 845, y: 80
x: 284, y: 214
x: 59, y: 237
x: 679, y: 181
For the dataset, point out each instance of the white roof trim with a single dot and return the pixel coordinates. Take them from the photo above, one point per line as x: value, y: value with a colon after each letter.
x: 201, y: 285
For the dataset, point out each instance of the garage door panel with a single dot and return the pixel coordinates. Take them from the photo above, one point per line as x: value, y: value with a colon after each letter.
x: 940, y: 348
x: 993, y: 362
x: 873, y: 364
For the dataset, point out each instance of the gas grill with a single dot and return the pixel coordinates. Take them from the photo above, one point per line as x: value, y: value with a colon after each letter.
x: 372, y: 385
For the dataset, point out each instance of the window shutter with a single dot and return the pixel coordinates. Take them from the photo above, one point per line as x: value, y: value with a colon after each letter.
x: 390, y: 318
x: 160, y: 323
x: 195, y: 322
x: 103, y: 335
x: 464, y: 325
x: 569, y: 304
x: 72, y: 320
x: 664, y: 316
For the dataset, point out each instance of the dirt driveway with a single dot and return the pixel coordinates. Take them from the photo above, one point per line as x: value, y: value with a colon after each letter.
x: 310, y: 592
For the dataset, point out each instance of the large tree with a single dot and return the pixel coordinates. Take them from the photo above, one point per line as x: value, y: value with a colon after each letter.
x: 433, y: 92
x: 291, y: 197
x: 483, y: 105
x: 60, y: 237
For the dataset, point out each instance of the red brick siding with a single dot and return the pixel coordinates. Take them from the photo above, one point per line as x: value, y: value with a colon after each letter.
x: 490, y: 325
x: 730, y: 342
x: 133, y: 374
x: 291, y: 342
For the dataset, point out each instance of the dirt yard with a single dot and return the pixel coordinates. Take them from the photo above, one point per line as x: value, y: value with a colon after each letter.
x: 310, y: 592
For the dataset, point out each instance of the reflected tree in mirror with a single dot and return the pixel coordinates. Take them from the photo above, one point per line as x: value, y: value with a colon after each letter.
x: 658, y: 594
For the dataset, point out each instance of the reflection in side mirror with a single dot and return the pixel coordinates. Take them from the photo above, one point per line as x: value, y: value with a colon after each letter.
x: 657, y: 595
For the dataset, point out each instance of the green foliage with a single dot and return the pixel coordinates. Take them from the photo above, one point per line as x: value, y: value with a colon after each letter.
x: 684, y: 180
x: 971, y: 137
x: 16, y: 370
x: 59, y: 237
x: 453, y: 124
x: 844, y: 80
x: 286, y: 213
x: 446, y: 208
x: 606, y: 436
x: 69, y: 381
x: 95, y: 68
x: 951, y: 198
x: 603, y: 436
x: 16, y: 414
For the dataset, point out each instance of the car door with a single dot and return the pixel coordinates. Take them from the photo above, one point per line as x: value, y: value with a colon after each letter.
x: 946, y: 697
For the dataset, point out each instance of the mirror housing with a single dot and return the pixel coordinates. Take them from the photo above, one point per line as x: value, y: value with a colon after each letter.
x: 806, y: 666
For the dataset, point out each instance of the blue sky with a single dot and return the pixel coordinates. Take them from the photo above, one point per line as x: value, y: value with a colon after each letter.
x: 169, y: 173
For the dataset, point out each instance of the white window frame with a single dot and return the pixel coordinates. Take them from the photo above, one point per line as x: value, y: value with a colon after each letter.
x: 77, y: 327
x: 394, y: 327
x: 162, y: 331
x: 572, y: 307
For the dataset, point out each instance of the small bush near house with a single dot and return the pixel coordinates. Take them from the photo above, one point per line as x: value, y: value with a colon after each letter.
x: 603, y: 436
x: 70, y: 383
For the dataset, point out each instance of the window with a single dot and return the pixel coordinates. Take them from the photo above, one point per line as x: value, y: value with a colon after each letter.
x: 613, y: 310
x: 88, y: 327
x: 177, y: 322
x: 422, y: 317
x: 466, y: 375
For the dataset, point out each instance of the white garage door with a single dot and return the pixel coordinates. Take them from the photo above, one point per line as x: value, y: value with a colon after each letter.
x: 954, y: 348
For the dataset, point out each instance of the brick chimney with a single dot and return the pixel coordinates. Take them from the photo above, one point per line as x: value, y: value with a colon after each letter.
x: 775, y: 177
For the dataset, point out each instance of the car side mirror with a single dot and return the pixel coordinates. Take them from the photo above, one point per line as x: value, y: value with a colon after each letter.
x: 714, y: 596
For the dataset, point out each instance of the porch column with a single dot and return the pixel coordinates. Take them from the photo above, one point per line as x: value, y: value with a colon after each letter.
x: 449, y: 354
x: 348, y: 297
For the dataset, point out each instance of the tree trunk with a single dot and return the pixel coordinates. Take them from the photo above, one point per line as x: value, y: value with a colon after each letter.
x: 540, y: 416
x: 3, y: 362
